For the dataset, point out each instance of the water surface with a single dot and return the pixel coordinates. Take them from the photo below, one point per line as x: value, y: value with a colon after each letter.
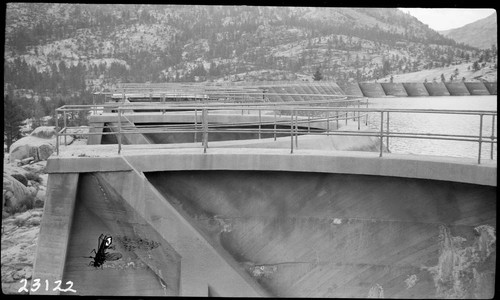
x: 437, y: 123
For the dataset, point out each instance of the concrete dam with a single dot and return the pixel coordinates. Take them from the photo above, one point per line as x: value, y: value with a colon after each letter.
x: 281, y: 205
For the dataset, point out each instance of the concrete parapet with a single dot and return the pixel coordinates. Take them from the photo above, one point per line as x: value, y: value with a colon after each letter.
x: 271, y: 95
x: 492, y: 87
x: 352, y: 89
x: 457, y: 89
x: 415, y: 89
x: 476, y: 88
x: 334, y: 88
x: 246, y: 222
x: 301, y: 90
x: 394, y: 89
x: 129, y: 138
x: 374, y: 90
x: 349, y: 162
x: 292, y: 91
x: 95, y: 127
x: 55, y: 230
x: 436, y: 89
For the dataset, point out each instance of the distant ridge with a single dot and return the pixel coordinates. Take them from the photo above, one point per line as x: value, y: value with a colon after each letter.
x: 480, y: 34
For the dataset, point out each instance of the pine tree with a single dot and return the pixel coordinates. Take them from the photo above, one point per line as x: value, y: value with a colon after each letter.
x: 317, y: 76
x: 13, y: 116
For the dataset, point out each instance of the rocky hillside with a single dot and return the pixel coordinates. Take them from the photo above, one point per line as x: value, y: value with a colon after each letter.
x: 66, y: 49
x: 481, y: 34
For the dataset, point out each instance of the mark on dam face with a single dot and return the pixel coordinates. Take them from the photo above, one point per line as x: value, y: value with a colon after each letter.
x: 341, y: 235
x: 148, y: 266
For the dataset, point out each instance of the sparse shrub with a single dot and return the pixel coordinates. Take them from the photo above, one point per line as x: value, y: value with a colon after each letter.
x: 24, y: 205
x: 19, y: 222
x: 34, y: 177
x: 21, y: 178
x: 35, y: 222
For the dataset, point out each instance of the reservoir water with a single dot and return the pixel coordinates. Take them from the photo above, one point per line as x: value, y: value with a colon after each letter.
x: 437, y: 123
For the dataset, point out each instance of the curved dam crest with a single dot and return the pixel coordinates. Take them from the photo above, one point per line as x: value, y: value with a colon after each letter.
x: 290, y: 231
x: 270, y: 214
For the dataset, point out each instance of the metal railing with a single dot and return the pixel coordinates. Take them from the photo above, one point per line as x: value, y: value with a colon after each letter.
x: 294, y: 121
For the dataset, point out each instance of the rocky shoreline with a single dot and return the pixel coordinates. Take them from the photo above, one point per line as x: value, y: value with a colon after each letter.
x: 23, y: 199
x: 20, y: 228
x: 19, y: 241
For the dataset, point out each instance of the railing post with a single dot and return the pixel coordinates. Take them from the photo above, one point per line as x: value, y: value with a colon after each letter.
x: 337, y: 119
x: 309, y: 122
x: 346, y: 113
x: 57, y: 132
x: 296, y: 130
x: 119, y: 130
x: 64, y: 116
x: 93, y: 103
x: 381, y: 132
x: 480, y: 137
x: 387, y: 138
x: 328, y: 123
x: 359, y: 122
x: 260, y: 120
x: 291, y: 131
x: 366, y: 115
x: 162, y: 100
x: 195, y: 124
x: 205, y: 130
x: 492, y: 134
x: 275, y: 125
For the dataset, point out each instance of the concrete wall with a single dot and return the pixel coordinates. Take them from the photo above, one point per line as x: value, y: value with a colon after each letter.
x: 334, y: 88
x: 159, y: 158
x: 436, y: 89
x: 371, y: 89
x: 492, y: 87
x: 339, y: 235
x: 457, y: 89
x: 214, y: 118
x: 263, y: 221
x: 415, y: 89
x: 96, y: 129
x: 352, y: 89
x: 476, y: 88
x: 55, y: 230
x: 147, y: 263
x: 394, y: 89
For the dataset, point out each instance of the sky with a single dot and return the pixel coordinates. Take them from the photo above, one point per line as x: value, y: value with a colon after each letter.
x: 448, y: 18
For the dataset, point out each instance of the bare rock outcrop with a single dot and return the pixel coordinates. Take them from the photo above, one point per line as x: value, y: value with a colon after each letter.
x: 39, y: 145
x: 15, y: 193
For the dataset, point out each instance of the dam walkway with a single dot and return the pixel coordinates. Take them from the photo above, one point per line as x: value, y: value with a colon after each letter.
x: 310, y: 203
x: 258, y: 121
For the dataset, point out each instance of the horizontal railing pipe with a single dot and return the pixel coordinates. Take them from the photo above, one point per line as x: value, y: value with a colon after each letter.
x: 300, y: 112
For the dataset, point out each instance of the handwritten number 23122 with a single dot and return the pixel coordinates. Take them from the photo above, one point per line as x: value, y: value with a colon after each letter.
x: 36, y: 285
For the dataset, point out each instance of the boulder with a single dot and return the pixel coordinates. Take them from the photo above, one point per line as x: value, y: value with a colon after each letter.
x: 27, y: 160
x: 21, y: 178
x: 15, y: 192
x: 40, y: 198
x: 44, y: 132
x: 35, y: 146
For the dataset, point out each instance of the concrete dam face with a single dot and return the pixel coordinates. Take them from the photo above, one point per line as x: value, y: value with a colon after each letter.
x: 281, y: 233
x: 256, y: 212
x: 341, y: 235
x: 147, y: 266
